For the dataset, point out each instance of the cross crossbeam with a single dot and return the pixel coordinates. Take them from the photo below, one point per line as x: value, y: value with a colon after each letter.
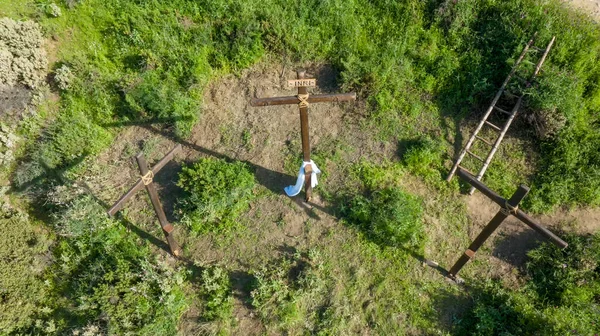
x: 292, y: 100
x: 509, y: 207
x: 303, y: 100
x: 146, y: 181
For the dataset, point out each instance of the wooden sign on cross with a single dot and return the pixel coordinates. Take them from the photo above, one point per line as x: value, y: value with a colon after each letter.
x: 509, y: 207
x: 303, y: 99
x: 146, y: 181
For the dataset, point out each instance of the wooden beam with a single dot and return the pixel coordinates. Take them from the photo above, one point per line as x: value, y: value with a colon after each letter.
x: 518, y: 213
x: 290, y: 100
x: 158, y: 209
x: 488, y: 230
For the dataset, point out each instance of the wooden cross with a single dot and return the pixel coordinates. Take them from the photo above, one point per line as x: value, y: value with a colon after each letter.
x: 146, y: 180
x: 303, y: 100
x: 509, y: 207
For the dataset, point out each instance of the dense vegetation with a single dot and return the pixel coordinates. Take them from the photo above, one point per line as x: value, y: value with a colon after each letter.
x: 130, y: 68
x: 421, y: 66
x: 216, y: 194
x: 559, y: 298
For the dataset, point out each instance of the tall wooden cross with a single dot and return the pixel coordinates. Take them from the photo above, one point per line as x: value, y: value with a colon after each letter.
x: 509, y: 207
x: 303, y: 100
x: 146, y: 181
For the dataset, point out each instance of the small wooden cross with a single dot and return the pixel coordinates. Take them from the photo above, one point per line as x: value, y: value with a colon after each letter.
x: 146, y: 180
x: 509, y: 207
x: 303, y: 99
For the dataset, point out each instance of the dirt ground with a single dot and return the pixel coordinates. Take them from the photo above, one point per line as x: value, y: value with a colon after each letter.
x: 591, y: 7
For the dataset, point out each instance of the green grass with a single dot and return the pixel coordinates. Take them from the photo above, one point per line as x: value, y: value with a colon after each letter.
x: 421, y: 67
x: 150, y: 62
x: 22, y: 288
x: 559, y: 297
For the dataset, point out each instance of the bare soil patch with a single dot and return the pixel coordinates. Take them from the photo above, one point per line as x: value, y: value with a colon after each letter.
x: 591, y: 7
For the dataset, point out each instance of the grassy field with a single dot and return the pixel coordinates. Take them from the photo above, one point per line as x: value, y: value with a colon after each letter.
x: 130, y: 76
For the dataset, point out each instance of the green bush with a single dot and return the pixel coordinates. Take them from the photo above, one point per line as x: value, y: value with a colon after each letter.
x: 216, y: 194
x: 422, y: 157
x: 288, y: 291
x: 103, y: 278
x: 388, y: 216
x: 566, y: 277
x: 500, y: 311
x: 216, y: 294
x: 22, y: 290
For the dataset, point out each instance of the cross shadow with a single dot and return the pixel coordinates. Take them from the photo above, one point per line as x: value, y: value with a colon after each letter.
x: 426, y: 262
x: 242, y: 284
x: 159, y: 243
x: 272, y: 180
x: 513, y: 247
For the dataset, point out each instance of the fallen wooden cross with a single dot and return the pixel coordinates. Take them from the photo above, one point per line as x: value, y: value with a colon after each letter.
x: 509, y: 207
x: 146, y: 181
x: 303, y: 99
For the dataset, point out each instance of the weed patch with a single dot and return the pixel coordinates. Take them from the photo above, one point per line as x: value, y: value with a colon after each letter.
x: 389, y: 217
x: 217, y: 193
x: 560, y: 296
x: 287, y: 292
x: 216, y: 293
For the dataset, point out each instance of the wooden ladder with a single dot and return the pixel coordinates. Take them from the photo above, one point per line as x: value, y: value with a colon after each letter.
x: 493, y: 107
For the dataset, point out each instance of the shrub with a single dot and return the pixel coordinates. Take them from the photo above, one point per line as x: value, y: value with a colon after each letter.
x: 423, y: 156
x: 560, y: 277
x: 560, y: 296
x: 63, y: 77
x: 387, y: 216
x: 500, y: 311
x: 288, y: 291
x: 159, y: 96
x: 216, y: 194
x: 103, y: 278
x: 22, y: 290
x: 216, y: 294
x: 22, y: 58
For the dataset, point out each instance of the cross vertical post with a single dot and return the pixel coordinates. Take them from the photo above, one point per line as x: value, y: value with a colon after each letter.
x: 147, y: 181
x: 302, y: 91
x: 489, y: 229
x: 509, y: 207
x: 158, y: 209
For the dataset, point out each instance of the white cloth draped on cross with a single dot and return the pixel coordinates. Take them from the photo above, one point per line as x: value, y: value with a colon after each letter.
x: 294, y: 190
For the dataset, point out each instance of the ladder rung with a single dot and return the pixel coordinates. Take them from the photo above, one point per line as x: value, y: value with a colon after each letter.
x: 477, y: 157
x: 502, y: 110
x: 465, y: 169
x: 482, y: 139
x: 521, y: 79
x: 493, y: 126
x: 536, y: 49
